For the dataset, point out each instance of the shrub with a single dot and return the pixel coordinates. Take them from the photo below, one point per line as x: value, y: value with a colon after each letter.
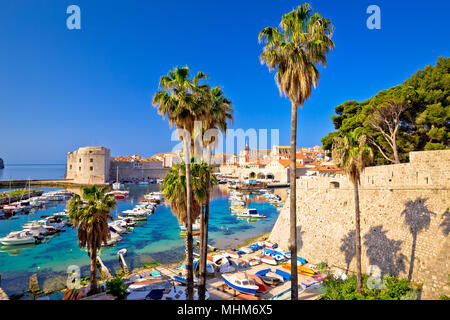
x: 117, y: 288
x: 391, y: 288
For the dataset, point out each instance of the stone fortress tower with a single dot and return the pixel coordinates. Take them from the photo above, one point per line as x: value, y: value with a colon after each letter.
x: 94, y: 165
x: 89, y: 165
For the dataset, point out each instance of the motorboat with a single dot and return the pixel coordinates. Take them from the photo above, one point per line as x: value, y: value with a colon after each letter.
x: 38, y: 230
x: 115, y: 239
x: 250, y: 213
x: 18, y: 238
x: 262, y: 287
x: 55, y: 222
x: 241, y: 283
x: 117, y: 228
x: 195, y: 226
x: 137, y: 212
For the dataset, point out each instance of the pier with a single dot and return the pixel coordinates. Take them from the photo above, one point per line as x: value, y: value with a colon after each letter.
x: 24, y: 196
x: 63, y: 183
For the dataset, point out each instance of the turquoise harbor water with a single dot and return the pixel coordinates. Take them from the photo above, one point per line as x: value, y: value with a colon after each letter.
x: 156, y: 240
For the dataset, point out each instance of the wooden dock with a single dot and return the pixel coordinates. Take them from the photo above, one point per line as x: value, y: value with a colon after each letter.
x: 104, y: 270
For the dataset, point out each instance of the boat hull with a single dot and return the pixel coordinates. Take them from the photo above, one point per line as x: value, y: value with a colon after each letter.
x: 239, y: 288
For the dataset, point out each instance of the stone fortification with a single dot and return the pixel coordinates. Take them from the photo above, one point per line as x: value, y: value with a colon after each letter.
x: 405, y: 220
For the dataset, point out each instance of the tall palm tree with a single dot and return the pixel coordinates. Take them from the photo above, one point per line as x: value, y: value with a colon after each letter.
x: 351, y: 153
x: 179, y: 102
x: 90, y: 213
x: 218, y: 111
x: 294, y: 50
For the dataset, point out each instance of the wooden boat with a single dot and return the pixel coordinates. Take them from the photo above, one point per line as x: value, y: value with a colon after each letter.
x: 271, y: 281
x: 254, y: 262
x: 232, y: 254
x: 261, y: 285
x: 241, y: 283
x: 247, y: 250
x: 242, y: 263
x: 301, y: 270
x: 266, y: 259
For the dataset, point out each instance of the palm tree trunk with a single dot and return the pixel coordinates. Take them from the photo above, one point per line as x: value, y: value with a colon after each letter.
x: 93, y: 289
x: 358, y: 239
x: 293, y: 205
x: 189, y: 241
x: 204, y: 221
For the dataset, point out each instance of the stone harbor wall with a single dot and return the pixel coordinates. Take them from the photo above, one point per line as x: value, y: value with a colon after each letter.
x: 405, y: 220
x: 136, y: 171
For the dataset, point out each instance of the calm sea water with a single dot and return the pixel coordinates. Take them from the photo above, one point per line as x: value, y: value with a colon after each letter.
x: 32, y: 171
x: 156, y: 240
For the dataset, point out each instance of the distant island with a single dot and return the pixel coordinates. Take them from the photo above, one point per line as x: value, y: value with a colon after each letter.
x: 1, y: 164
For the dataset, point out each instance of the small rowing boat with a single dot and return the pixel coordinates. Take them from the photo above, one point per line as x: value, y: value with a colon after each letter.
x: 261, y: 285
x: 301, y: 270
x: 266, y: 259
x: 232, y: 254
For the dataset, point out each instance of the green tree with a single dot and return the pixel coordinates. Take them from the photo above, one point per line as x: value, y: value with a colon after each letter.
x: 385, y: 118
x: 180, y: 103
x: 90, y: 213
x: 295, y: 50
x: 351, y: 153
x: 423, y: 123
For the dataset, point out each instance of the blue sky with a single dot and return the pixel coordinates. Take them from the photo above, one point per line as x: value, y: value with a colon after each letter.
x: 62, y: 89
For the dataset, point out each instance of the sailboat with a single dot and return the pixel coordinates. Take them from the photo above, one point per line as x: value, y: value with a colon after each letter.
x: 117, y: 185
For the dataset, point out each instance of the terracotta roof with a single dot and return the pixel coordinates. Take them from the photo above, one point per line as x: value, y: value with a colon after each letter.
x: 327, y: 169
x: 285, y: 163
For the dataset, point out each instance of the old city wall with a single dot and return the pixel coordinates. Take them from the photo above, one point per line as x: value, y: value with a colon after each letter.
x: 405, y: 220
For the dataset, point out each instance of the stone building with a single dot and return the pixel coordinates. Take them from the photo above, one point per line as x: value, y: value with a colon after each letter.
x: 405, y: 220
x: 89, y: 165
x: 94, y: 165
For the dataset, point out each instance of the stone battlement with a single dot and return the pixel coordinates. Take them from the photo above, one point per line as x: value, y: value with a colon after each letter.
x: 405, y: 220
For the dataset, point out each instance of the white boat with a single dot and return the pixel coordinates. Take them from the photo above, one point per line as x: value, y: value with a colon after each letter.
x: 266, y: 259
x: 250, y: 213
x: 247, y: 250
x: 55, y: 222
x: 179, y: 293
x: 137, y: 212
x: 241, y: 283
x: 36, y: 230
x: 195, y: 226
x: 117, y: 228
x: 18, y: 238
